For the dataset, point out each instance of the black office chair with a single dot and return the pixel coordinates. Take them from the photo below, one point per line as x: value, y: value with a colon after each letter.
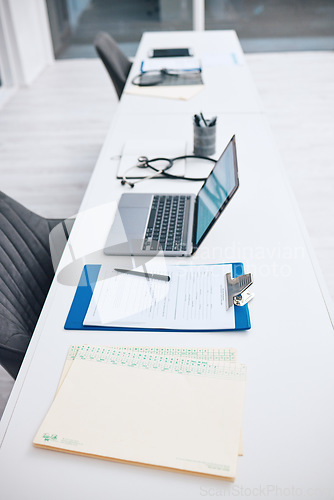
x: 26, y: 273
x: 116, y: 63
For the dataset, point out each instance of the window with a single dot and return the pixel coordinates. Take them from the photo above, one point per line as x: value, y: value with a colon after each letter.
x: 262, y: 25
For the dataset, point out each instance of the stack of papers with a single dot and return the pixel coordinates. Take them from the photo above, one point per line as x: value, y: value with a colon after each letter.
x: 187, y: 85
x: 193, y: 299
x: 171, y: 64
x: 163, y: 407
x: 178, y: 92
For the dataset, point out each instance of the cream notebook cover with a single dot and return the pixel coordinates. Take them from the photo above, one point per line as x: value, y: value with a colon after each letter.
x: 163, y: 411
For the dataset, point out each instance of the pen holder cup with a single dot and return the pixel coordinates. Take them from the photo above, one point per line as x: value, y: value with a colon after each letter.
x: 204, y: 140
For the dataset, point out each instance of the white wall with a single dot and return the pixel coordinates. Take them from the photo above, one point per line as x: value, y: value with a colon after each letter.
x: 27, y: 38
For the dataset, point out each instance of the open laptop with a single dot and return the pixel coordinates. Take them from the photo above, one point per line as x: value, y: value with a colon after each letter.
x: 175, y: 224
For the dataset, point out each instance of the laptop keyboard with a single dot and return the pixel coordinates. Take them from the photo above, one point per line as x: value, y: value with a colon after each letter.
x: 167, y: 227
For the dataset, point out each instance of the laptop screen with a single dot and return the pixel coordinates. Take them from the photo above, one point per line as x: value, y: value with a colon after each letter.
x: 216, y: 192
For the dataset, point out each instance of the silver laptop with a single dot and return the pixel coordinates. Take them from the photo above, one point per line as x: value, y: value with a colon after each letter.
x: 175, y: 224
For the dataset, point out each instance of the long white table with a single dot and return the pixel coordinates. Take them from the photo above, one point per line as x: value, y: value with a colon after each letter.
x: 229, y: 87
x: 289, y: 411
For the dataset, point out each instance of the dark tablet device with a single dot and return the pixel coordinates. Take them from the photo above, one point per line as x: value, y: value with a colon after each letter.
x: 177, y: 52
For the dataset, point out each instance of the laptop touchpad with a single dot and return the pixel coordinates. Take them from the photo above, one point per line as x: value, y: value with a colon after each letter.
x: 128, y: 229
x: 134, y: 221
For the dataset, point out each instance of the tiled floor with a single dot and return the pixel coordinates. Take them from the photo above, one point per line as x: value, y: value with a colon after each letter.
x: 61, y: 120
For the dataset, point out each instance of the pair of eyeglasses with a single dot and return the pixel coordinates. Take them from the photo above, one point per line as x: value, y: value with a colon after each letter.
x: 155, y: 77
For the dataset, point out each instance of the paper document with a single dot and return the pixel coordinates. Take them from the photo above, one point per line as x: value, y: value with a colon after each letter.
x: 179, y: 92
x: 171, y: 63
x: 193, y: 299
x: 213, y: 355
x: 151, y: 409
x: 204, y: 354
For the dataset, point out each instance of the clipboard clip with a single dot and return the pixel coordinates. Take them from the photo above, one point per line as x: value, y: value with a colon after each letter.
x: 236, y: 292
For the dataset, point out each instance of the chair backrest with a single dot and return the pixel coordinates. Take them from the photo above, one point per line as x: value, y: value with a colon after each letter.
x: 26, y: 272
x: 116, y: 63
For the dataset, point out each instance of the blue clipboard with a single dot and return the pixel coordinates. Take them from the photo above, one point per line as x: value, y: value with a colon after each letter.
x: 84, y: 294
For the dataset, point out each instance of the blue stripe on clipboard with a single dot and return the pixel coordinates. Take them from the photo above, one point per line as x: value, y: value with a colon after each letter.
x: 84, y: 292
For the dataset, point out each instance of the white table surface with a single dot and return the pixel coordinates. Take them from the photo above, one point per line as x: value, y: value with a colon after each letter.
x: 229, y: 88
x: 289, y: 409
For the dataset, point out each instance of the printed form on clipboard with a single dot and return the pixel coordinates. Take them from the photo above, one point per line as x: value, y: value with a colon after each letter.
x: 193, y: 300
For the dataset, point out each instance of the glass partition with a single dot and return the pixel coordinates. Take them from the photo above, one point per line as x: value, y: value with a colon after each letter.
x: 125, y: 20
x: 275, y: 25
x: 267, y: 25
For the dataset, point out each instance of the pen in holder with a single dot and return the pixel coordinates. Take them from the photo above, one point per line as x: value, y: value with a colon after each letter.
x: 204, y: 135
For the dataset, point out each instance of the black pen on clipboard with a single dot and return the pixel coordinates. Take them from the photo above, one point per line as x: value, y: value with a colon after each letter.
x: 152, y: 276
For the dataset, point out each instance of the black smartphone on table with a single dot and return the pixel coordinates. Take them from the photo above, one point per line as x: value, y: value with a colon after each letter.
x: 175, y: 52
